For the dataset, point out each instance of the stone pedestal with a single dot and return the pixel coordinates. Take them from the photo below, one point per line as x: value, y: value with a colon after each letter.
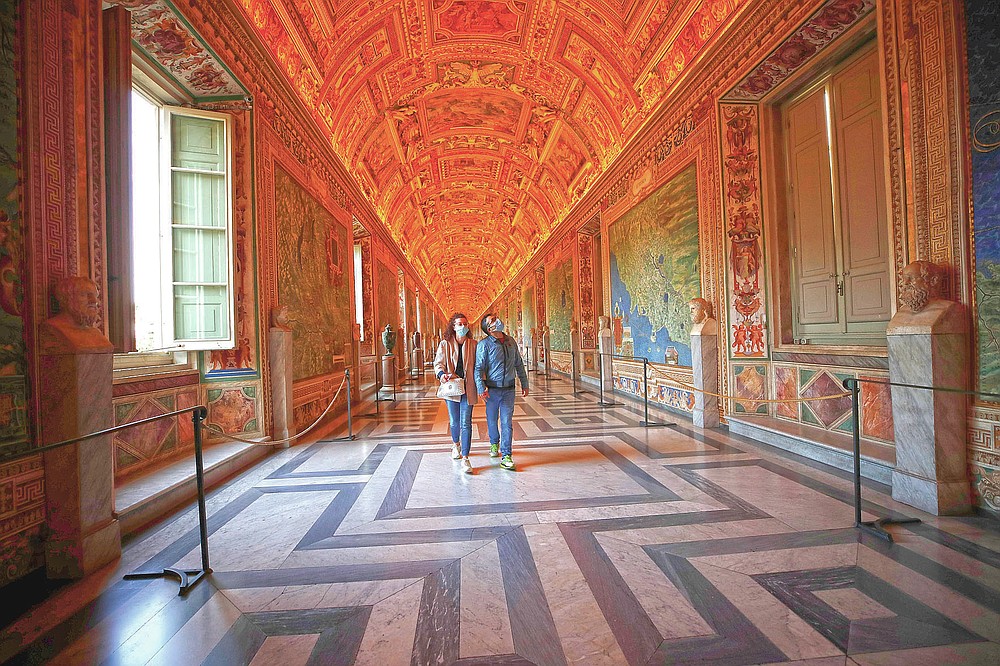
x: 576, y: 361
x: 930, y: 347
x: 605, y: 347
x: 279, y: 354
x: 417, y: 362
x: 705, y: 364
x: 389, y: 370
x: 74, y: 393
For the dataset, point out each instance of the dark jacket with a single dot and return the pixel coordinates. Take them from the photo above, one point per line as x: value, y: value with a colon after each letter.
x: 498, y: 363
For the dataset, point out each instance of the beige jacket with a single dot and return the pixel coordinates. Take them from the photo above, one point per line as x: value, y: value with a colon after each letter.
x: 447, y: 358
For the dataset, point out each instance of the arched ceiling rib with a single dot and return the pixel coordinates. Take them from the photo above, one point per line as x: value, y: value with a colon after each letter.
x: 473, y: 126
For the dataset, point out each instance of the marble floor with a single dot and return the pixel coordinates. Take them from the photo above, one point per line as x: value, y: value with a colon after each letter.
x: 610, y: 544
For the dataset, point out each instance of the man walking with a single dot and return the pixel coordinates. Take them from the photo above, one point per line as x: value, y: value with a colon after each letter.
x: 497, y: 363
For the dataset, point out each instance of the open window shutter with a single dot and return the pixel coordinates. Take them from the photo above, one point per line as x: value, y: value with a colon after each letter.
x: 812, y: 207
x: 858, y: 118
x: 200, y: 238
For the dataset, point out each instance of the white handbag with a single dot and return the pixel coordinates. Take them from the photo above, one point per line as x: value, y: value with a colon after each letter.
x: 453, y: 389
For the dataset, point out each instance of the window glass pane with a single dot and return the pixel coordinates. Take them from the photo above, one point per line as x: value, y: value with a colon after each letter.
x: 198, y: 143
x: 201, y: 313
x: 200, y: 255
x: 147, y: 293
x: 198, y: 199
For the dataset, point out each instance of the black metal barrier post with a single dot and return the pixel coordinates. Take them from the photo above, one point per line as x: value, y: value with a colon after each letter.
x: 527, y: 359
x: 645, y: 399
x: 188, y: 578
x: 572, y: 368
x: 873, y: 527
x: 600, y: 360
x: 371, y: 415
x: 350, y: 423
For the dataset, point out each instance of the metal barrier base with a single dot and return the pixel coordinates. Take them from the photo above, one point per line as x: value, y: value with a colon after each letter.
x: 188, y: 578
x: 655, y: 424
x: 874, y: 527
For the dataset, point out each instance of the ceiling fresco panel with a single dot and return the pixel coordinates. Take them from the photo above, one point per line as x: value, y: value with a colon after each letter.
x: 480, y: 122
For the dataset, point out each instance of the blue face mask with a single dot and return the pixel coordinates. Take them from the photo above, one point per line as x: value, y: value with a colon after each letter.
x: 461, y: 331
x: 497, y: 326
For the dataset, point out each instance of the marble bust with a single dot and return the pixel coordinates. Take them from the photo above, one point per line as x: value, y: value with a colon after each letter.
x: 921, y: 307
x: 72, y: 330
x: 388, y: 339
x: 702, y: 319
x: 280, y: 319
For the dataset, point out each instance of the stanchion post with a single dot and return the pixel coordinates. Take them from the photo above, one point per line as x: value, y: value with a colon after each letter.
x: 645, y: 398
x: 198, y: 416
x: 572, y: 367
x: 350, y: 423
x: 602, y: 402
x: 875, y: 528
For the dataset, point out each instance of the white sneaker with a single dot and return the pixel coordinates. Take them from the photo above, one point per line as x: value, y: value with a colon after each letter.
x: 466, y: 466
x: 455, y: 452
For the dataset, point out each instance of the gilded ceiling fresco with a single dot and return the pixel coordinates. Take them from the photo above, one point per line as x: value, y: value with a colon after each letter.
x: 474, y: 126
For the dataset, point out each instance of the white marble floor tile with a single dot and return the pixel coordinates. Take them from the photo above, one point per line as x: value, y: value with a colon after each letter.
x: 782, y: 626
x: 264, y: 533
x: 371, y: 554
x: 366, y: 507
x: 337, y: 456
x: 623, y: 511
x: 969, y: 654
x: 485, y: 622
x: 667, y: 607
x: 583, y: 631
x: 285, y: 650
x: 790, y: 559
x: 311, y: 481
x: 388, y: 639
x: 952, y: 559
x: 853, y: 604
x: 953, y: 605
x: 783, y: 498
x: 702, y: 532
x: 200, y: 634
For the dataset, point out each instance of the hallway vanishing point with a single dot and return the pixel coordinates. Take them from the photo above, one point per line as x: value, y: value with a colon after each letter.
x: 610, y: 544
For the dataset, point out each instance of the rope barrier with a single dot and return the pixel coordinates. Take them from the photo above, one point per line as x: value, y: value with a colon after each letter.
x: 689, y: 387
x: 215, y: 429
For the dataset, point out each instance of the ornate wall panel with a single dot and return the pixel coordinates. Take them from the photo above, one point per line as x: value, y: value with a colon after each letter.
x: 139, y: 447
x: 585, y: 280
x: 559, y: 285
x: 744, y: 249
x: 368, y: 346
x: 982, y: 18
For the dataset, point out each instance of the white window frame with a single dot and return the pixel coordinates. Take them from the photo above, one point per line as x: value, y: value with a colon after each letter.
x: 170, y: 340
x: 172, y: 357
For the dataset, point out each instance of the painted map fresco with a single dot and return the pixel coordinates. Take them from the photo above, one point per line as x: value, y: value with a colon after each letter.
x: 654, y: 272
x: 984, y: 115
x: 559, y: 301
x: 311, y: 248
x: 528, y: 311
x: 387, y: 311
x: 13, y: 394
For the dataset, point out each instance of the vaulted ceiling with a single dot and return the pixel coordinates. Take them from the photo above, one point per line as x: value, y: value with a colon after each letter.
x: 473, y: 126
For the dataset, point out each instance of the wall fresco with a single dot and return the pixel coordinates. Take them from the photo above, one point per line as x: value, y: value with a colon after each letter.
x: 13, y: 382
x: 588, y: 318
x: 312, y: 251
x: 654, y: 272
x: 560, y: 288
x: 983, y: 33
x: 528, y: 310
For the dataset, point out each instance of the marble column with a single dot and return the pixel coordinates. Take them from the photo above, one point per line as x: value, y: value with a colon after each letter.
x: 74, y: 395
x: 705, y: 365
x: 930, y: 346
x: 279, y: 353
x: 605, y: 347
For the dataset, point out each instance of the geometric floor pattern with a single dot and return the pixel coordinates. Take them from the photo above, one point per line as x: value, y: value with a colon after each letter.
x: 610, y: 544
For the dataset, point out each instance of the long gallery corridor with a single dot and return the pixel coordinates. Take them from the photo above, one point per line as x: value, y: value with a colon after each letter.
x: 610, y: 544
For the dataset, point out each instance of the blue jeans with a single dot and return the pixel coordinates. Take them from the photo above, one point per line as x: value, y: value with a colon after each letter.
x: 500, y: 418
x: 460, y: 420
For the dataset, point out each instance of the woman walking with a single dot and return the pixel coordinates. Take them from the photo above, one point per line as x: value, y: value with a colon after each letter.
x: 456, y: 359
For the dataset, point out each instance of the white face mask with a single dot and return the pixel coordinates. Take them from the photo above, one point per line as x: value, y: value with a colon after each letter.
x: 497, y: 325
x: 461, y: 331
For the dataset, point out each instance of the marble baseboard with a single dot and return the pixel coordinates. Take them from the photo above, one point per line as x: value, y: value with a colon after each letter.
x: 938, y: 498
x: 759, y: 429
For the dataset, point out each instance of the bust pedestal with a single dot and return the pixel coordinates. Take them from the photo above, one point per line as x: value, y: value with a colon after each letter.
x: 389, y: 370
x: 705, y: 365
x: 605, y: 347
x: 930, y: 347
x: 279, y: 350
x: 74, y: 393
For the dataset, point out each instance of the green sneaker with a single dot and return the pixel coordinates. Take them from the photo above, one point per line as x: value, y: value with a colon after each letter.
x: 494, y: 450
x: 507, y: 462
